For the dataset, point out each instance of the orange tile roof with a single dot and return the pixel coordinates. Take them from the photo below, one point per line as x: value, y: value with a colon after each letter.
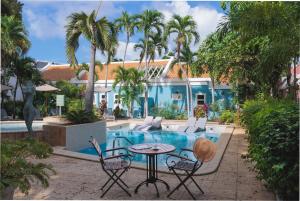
x: 65, y: 72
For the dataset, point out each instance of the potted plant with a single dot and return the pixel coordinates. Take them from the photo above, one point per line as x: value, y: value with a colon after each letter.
x: 17, y: 171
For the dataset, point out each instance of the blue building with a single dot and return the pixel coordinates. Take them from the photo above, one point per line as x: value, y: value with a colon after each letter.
x: 165, y: 89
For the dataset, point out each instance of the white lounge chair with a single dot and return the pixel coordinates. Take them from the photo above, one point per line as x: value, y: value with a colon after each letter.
x: 189, y: 123
x: 199, y: 126
x: 156, y: 123
x: 147, y: 123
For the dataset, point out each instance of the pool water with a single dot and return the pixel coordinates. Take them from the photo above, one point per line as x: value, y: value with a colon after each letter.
x: 179, y: 140
x: 6, y: 127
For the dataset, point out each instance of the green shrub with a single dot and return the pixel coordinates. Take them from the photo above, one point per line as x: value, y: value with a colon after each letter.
x: 80, y: 116
x: 9, y: 107
x: 169, y: 112
x: 17, y: 171
x: 227, y: 116
x: 273, y: 128
x: 199, y: 112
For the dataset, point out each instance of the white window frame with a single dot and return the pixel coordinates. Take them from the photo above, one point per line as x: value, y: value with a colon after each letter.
x: 204, y: 99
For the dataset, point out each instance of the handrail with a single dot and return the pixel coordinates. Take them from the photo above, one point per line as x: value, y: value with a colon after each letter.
x: 120, y: 137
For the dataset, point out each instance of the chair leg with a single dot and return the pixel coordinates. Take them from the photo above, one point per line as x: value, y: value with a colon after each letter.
x: 112, y: 175
x: 182, y: 183
x: 196, y: 184
x: 115, y: 181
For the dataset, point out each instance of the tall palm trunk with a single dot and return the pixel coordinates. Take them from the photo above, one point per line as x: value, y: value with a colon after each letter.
x: 127, y: 41
x: 15, y: 94
x: 212, y: 89
x: 89, y: 95
x: 187, y: 80
x: 106, y: 75
x: 146, y: 75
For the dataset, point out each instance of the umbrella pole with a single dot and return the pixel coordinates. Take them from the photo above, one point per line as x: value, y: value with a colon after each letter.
x: 46, y: 104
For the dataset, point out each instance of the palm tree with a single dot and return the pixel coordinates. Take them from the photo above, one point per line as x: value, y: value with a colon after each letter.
x: 98, y: 33
x: 157, y: 44
x: 186, y: 30
x: 135, y: 86
x: 121, y: 77
x: 14, y: 42
x: 149, y: 21
x: 111, y: 51
x: 140, y: 46
x: 126, y: 23
x: 23, y: 69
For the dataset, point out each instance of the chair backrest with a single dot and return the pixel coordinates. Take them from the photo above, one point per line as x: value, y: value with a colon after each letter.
x: 201, y: 122
x: 95, y: 144
x: 191, y: 121
x: 148, y: 120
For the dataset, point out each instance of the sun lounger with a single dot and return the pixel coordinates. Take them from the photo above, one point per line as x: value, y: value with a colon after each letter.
x: 147, y: 123
x: 156, y: 123
x: 199, y: 126
x: 190, y: 123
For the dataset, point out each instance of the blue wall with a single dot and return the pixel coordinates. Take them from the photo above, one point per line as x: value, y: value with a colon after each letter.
x: 160, y: 96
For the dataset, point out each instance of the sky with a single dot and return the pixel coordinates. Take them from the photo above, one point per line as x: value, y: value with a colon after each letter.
x: 45, y: 22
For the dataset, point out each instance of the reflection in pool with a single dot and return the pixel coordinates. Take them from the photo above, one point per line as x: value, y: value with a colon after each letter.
x: 179, y: 140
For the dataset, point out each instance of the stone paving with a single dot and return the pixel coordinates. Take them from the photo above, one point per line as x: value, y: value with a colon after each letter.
x: 79, y: 179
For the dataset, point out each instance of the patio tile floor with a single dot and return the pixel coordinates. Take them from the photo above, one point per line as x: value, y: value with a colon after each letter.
x: 79, y: 179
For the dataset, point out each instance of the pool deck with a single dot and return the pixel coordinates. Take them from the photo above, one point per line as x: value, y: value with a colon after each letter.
x: 81, y: 179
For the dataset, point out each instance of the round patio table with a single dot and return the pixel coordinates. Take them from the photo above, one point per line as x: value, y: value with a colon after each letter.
x: 151, y: 153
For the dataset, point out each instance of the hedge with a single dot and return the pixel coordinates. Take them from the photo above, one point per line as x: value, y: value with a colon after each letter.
x: 273, y: 128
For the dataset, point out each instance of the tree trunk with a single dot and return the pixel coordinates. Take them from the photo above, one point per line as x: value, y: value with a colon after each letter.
x: 212, y: 89
x: 187, y: 80
x: 89, y: 94
x: 106, y: 75
x: 146, y: 84
x: 15, y: 94
x: 127, y: 41
x: 8, y: 193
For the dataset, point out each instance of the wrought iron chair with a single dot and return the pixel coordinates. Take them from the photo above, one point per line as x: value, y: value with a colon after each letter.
x: 112, y: 165
x: 181, y: 162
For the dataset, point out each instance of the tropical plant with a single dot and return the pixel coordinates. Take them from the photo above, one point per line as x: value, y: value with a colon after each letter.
x: 111, y: 51
x: 127, y: 23
x: 80, y: 116
x: 121, y: 77
x: 11, y: 8
x: 98, y: 33
x: 17, y: 171
x: 149, y: 21
x: 14, y: 41
x: 263, y: 52
x: 131, y: 83
x: 199, y: 112
x: 185, y: 29
x: 227, y: 116
x: 273, y: 128
x: 157, y: 44
x: 23, y: 69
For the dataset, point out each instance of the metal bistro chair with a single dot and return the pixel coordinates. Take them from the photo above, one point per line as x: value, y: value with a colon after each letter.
x: 203, y: 150
x: 112, y: 165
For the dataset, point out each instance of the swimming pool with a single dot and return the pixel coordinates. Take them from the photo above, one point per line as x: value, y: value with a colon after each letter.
x: 8, y: 127
x: 179, y: 140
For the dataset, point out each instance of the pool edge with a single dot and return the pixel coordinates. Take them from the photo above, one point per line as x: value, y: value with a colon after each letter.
x: 207, y: 168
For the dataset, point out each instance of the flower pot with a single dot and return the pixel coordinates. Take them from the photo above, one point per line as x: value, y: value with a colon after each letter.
x: 8, y: 193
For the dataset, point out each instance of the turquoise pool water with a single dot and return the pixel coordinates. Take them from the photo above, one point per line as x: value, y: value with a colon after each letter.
x: 179, y: 140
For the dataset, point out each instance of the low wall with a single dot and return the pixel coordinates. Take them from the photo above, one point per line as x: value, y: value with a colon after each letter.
x: 75, y: 137
x: 21, y: 135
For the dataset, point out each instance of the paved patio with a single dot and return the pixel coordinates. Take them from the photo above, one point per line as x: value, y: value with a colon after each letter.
x: 79, y: 179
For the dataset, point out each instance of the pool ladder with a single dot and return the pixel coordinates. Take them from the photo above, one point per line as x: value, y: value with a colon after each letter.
x: 117, y: 139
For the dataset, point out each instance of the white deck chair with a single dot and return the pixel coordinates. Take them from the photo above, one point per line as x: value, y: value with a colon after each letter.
x: 156, y: 123
x: 189, y: 123
x: 147, y: 122
x: 199, y: 126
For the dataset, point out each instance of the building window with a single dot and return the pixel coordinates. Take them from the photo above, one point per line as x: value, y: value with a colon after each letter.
x: 200, y: 98
x: 176, y: 96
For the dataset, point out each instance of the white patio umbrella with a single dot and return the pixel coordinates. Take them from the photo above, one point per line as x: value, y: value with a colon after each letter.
x: 100, y: 89
x: 5, y: 87
x: 46, y: 88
